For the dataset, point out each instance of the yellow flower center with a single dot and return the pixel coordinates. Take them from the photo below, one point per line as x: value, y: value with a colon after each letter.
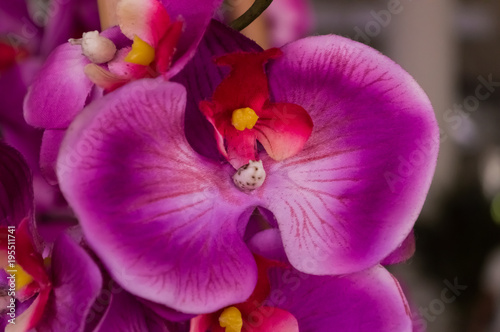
x: 141, y: 53
x: 244, y: 118
x: 231, y: 319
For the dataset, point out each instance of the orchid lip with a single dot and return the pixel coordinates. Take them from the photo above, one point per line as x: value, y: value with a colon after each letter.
x: 250, y: 176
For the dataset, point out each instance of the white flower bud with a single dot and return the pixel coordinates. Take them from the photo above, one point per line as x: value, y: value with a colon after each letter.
x: 95, y: 47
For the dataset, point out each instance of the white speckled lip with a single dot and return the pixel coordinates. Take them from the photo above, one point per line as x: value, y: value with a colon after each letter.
x: 250, y: 176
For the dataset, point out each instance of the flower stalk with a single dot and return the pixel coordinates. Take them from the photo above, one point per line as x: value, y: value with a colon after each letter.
x: 250, y: 15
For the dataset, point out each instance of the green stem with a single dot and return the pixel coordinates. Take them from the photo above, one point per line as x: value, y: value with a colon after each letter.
x: 250, y: 15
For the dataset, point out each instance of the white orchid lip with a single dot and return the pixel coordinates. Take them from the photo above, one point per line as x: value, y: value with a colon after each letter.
x: 96, y: 48
x: 250, y: 176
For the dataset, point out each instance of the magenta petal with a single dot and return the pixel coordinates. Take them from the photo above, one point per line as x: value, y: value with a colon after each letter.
x: 403, y: 252
x: 370, y: 300
x: 196, y: 15
x: 51, y: 143
x: 60, y: 89
x: 218, y: 40
x: 268, y: 244
x: 163, y: 219
x: 16, y: 191
x: 76, y: 282
x: 124, y: 314
x: 352, y: 195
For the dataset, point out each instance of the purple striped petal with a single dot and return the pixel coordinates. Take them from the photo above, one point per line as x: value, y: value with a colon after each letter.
x: 76, y: 282
x: 218, y: 40
x: 60, y: 89
x: 352, y: 195
x: 371, y: 300
x: 163, y: 219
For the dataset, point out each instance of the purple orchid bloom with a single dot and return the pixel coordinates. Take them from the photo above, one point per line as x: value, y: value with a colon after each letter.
x: 286, y: 300
x: 26, y: 38
x: 66, y: 294
x: 289, y: 20
x: 160, y: 46
x: 150, y: 205
x: 71, y: 269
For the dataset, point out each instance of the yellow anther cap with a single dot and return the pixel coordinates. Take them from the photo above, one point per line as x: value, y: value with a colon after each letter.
x: 231, y: 319
x: 141, y: 53
x: 22, y: 277
x: 244, y: 118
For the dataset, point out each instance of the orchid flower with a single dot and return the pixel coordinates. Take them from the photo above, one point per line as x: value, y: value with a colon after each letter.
x: 153, y: 38
x: 64, y: 291
x: 286, y: 300
x: 289, y: 20
x: 149, y: 204
x: 73, y: 281
x: 24, y: 45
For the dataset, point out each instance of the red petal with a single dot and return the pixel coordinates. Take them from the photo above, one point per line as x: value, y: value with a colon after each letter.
x: 283, y: 129
x: 167, y: 46
x: 246, y: 85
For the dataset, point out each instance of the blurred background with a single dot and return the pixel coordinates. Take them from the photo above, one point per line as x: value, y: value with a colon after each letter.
x: 452, y: 48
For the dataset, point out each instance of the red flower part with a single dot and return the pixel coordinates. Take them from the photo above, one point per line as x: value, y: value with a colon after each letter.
x: 30, y: 260
x: 241, y: 112
x: 253, y: 315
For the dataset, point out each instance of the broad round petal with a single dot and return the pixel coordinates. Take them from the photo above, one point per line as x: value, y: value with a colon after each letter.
x: 163, y: 219
x: 352, y: 195
x: 371, y: 300
x: 60, y: 89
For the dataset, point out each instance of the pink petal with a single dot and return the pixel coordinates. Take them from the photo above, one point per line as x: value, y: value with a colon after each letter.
x: 270, y: 319
x: 150, y: 207
x: 51, y: 143
x: 76, y: 282
x: 31, y: 316
x: 104, y: 78
x: 403, y: 252
x: 283, y: 129
x: 371, y: 300
x: 124, y: 314
x: 352, y: 195
x: 146, y: 19
x: 60, y: 89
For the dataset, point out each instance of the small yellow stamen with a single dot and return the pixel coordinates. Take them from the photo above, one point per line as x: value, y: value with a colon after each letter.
x: 244, y: 118
x: 231, y: 319
x: 141, y: 53
x: 22, y: 278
